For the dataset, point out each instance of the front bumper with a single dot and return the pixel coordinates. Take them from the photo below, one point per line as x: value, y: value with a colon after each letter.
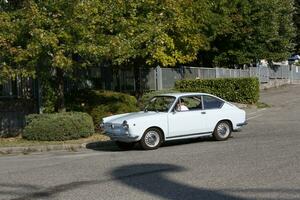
x: 117, y: 132
x: 122, y: 137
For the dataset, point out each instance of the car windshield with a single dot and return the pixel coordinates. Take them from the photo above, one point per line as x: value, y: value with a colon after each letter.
x: 160, y: 104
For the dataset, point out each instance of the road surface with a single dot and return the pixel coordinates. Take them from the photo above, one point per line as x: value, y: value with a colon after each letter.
x: 260, y: 162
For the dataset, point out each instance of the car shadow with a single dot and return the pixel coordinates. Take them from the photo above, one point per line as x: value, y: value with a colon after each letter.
x: 151, y: 179
x: 103, y: 146
x: 111, y: 146
x: 188, y: 141
x: 154, y: 179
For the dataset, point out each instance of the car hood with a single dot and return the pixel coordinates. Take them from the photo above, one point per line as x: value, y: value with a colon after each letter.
x: 132, y: 116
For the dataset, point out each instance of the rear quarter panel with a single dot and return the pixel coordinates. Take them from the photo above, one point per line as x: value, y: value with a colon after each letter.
x: 227, y: 112
x: 235, y: 115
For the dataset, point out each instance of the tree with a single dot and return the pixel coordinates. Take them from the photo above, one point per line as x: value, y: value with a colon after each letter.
x: 252, y: 30
x: 11, y: 54
x: 138, y: 33
x: 39, y: 38
x: 53, y: 40
x: 56, y: 38
x: 297, y: 25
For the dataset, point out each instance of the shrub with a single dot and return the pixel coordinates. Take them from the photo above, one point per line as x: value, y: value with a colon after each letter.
x: 101, y: 104
x: 241, y: 90
x: 58, y: 126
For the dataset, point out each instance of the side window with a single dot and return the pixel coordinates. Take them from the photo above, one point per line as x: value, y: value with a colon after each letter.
x: 189, y: 103
x: 212, y: 102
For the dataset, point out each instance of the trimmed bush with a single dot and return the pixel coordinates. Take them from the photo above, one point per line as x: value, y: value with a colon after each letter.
x: 101, y: 104
x: 58, y: 126
x: 240, y: 90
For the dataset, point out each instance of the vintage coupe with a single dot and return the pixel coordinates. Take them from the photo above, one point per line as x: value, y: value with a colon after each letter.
x: 175, y: 116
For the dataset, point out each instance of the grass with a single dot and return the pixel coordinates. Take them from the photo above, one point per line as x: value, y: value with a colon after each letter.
x: 261, y: 105
x: 20, y: 142
x: 258, y: 105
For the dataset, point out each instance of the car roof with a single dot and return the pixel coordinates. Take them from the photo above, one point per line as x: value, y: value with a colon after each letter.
x: 183, y: 94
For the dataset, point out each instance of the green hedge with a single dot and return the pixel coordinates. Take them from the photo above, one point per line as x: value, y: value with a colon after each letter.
x: 58, y: 126
x: 240, y: 90
x: 101, y: 104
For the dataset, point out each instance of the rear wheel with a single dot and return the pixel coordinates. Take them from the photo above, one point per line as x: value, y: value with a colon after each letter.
x: 125, y: 145
x: 151, y: 139
x: 222, y: 131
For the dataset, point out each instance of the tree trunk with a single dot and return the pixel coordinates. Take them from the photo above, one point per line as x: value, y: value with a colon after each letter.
x: 60, y: 102
x: 138, y: 87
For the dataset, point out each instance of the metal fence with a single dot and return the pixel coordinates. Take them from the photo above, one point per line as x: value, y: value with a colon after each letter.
x: 126, y: 80
x: 295, y: 73
x: 11, y: 123
x: 164, y: 78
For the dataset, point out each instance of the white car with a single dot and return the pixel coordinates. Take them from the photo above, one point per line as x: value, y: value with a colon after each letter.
x: 175, y: 116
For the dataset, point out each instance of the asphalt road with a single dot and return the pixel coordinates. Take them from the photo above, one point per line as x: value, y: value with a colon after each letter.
x: 260, y: 162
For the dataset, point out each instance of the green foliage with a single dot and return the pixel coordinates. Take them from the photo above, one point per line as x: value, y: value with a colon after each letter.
x: 296, y: 18
x: 101, y: 104
x: 54, y: 39
x: 261, y: 105
x: 164, y: 33
x: 42, y: 38
x: 240, y: 90
x: 49, y: 97
x: 58, y: 126
x: 73, y: 34
x: 243, y: 32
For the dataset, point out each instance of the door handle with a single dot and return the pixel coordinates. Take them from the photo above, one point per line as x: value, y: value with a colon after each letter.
x: 203, y: 112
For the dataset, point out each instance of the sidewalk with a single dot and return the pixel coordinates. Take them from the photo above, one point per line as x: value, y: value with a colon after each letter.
x: 21, y: 146
x: 31, y: 149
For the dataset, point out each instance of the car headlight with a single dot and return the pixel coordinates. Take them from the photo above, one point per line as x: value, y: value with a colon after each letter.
x: 125, y: 125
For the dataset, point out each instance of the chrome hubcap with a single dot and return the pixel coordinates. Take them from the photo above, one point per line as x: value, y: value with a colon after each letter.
x: 152, y: 139
x: 223, y: 130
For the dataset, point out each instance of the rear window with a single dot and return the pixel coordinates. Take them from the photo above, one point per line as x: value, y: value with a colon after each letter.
x: 210, y: 102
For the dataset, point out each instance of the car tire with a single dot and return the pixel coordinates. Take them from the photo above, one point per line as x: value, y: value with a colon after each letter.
x: 222, y: 131
x: 125, y: 145
x: 152, y: 139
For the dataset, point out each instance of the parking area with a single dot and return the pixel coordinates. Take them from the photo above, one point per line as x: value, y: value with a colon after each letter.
x: 260, y: 162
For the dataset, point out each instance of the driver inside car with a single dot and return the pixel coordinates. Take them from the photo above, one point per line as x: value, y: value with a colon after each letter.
x: 180, y: 106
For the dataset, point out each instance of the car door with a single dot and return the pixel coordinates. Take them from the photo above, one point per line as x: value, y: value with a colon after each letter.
x: 212, y: 112
x: 188, y: 122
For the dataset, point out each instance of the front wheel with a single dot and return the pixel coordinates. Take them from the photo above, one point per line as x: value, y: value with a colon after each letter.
x: 222, y: 131
x: 151, y: 139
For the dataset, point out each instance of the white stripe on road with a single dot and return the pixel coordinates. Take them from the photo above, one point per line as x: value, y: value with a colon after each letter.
x: 253, y: 117
x: 257, y: 111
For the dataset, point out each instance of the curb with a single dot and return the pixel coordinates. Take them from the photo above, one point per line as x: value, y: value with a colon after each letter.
x: 93, y: 145
x: 46, y: 148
